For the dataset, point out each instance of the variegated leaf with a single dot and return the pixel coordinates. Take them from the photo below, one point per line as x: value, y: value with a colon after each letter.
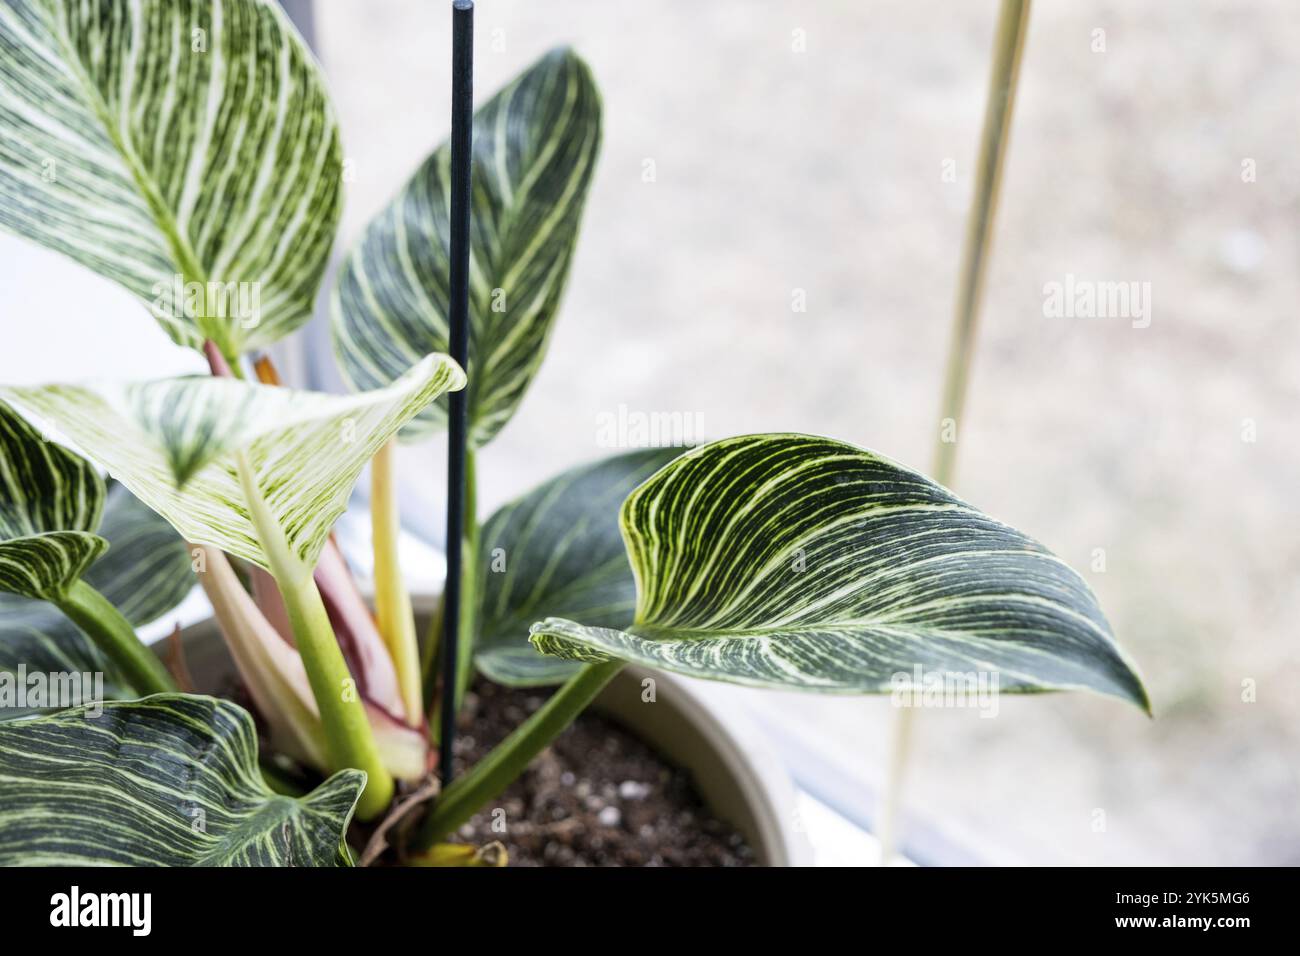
x: 50, y: 505
x: 802, y: 562
x: 557, y: 552
x: 535, y: 147
x: 176, y: 444
x: 144, y: 574
x: 170, y: 780
x: 38, y: 635
x: 168, y: 142
x: 146, y: 571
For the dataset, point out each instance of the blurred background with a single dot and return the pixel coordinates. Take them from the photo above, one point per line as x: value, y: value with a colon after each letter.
x: 822, y: 152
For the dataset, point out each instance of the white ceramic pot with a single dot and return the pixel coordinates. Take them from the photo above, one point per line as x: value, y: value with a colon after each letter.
x: 738, y: 776
x: 735, y: 772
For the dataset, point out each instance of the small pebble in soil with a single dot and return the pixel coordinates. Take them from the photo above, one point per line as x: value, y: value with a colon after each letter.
x: 633, y: 790
x: 609, y: 817
x: 596, y: 797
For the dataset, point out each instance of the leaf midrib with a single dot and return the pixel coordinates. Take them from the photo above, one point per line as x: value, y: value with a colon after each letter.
x: 182, y: 253
x: 275, y: 811
x: 703, y: 633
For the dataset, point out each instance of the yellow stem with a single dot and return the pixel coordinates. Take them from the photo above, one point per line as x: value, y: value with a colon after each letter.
x: 392, y: 601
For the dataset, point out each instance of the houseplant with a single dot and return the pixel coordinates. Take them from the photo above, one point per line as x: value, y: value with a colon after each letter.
x: 208, y: 183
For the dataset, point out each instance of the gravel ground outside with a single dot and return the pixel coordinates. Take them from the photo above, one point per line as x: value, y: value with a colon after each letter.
x: 778, y: 170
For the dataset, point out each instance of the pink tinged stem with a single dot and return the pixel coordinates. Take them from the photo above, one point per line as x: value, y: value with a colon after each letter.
x: 277, y: 681
x: 358, y: 634
x: 216, y: 361
x: 404, y: 749
x: 266, y: 595
x: 354, y: 626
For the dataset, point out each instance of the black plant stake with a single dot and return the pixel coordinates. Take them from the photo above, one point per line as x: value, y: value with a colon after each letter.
x: 462, y: 116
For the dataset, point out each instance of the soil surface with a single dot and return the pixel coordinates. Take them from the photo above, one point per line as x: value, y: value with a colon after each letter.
x: 598, y: 796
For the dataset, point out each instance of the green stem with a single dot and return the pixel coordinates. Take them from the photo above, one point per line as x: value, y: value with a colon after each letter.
x: 508, y: 759
x: 1008, y: 46
x: 349, y: 740
x: 115, y: 636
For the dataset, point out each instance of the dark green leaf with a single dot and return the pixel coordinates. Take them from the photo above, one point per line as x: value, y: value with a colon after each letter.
x: 145, y: 573
x: 535, y: 146
x: 802, y: 562
x: 558, y: 552
x: 170, y: 780
x: 50, y: 505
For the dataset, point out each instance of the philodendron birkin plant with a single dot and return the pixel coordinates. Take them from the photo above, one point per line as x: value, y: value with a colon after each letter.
x: 189, y: 153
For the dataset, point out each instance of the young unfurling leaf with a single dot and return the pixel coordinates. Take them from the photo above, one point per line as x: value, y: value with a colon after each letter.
x: 176, y: 443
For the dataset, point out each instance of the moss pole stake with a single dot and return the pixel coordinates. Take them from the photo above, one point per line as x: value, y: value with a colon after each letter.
x: 1008, y: 45
x: 462, y: 117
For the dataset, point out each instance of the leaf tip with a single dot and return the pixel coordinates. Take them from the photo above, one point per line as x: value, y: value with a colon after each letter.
x: 557, y: 637
x: 1125, y: 683
x: 1141, y: 698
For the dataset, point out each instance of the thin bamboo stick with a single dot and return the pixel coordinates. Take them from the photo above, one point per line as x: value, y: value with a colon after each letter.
x: 1008, y: 47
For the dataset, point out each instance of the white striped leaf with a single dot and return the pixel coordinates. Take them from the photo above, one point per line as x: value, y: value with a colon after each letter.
x: 176, y: 444
x: 50, y: 505
x: 155, y: 139
x: 170, y: 780
x: 535, y: 147
x: 144, y: 574
x: 557, y: 552
x: 802, y: 562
